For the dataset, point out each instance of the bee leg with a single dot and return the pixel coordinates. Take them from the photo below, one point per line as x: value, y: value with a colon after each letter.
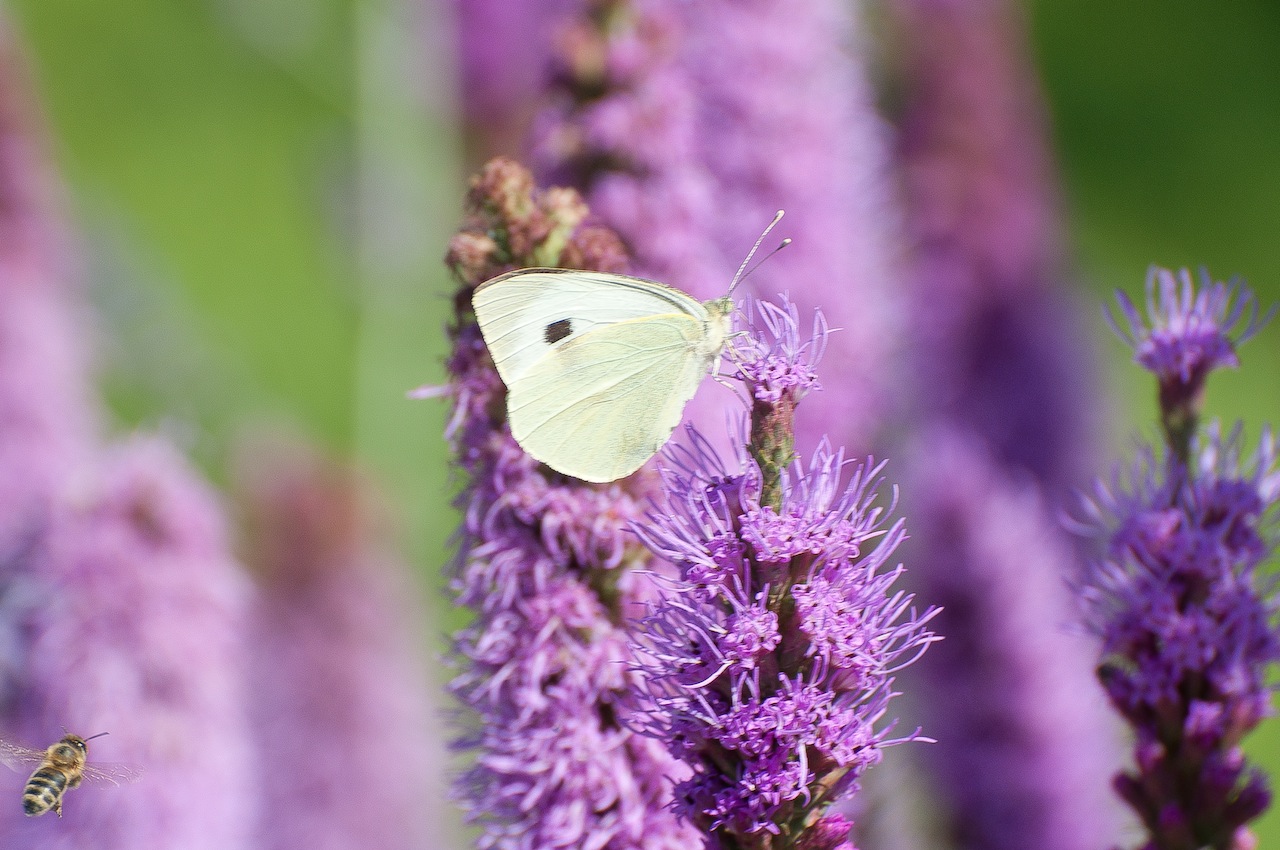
x: 57, y: 807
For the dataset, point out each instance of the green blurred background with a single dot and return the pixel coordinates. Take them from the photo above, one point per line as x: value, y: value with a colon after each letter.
x: 264, y: 189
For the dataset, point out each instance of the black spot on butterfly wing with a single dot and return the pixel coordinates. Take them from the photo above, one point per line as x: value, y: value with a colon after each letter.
x: 557, y: 331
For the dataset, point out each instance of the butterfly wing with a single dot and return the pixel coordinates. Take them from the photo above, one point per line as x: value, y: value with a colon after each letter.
x: 525, y: 315
x: 601, y: 405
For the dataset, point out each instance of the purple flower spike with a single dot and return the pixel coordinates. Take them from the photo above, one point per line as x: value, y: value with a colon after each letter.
x: 768, y: 662
x: 50, y: 416
x: 337, y: 679
x: 544, y: 564
x: 1189, y: 624
x: 1024, y: 751
x: 1189, y: 627
x: 1002, y: 400
x: 997, y: 345
x: 1185, y: 336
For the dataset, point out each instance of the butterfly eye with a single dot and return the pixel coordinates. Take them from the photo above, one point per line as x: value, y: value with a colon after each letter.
x: 557, y: 331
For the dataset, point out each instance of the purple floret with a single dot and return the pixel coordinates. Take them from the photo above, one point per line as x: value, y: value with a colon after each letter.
x: 1185, y: 336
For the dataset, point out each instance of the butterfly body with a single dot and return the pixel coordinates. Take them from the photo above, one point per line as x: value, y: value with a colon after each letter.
x: 598, y: 366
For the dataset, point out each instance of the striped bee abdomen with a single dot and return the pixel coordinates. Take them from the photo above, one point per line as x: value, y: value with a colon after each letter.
x: 44, y: 791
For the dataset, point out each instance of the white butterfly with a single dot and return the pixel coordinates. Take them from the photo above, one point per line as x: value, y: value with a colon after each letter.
x: 599, y: 366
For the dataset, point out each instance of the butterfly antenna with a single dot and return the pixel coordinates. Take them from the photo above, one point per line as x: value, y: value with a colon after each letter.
x: 742, y: 269
x: 784, y: 243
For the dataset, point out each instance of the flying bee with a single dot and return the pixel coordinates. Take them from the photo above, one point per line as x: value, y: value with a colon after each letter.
x: 60, y: 768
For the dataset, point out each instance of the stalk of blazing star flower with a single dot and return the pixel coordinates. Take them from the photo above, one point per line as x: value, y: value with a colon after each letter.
x: 49, y: 419
x: 683, y: 121
x: 337, y: 675
x: 1000, y: 394
x: 544, y: 563
x: 769, y: 660
x: 139, y: 634
x: 1189, y: 626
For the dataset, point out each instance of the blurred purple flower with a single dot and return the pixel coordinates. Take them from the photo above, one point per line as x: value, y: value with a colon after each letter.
x: 621, y: 124
x: 769, y: 661
x: 1001, y: 347
x: 686, y: 124
x: 544, y: 565
x: 504, y: 51
x: 337, y: 679
x: 48, y: 414
x: 138, y: 632
x: 1001, y: 405
x: 1189, y: 625
x: 1023, y: 751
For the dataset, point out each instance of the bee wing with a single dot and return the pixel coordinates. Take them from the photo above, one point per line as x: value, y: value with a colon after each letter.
x: 111, y: 773
x: 17, y: 758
